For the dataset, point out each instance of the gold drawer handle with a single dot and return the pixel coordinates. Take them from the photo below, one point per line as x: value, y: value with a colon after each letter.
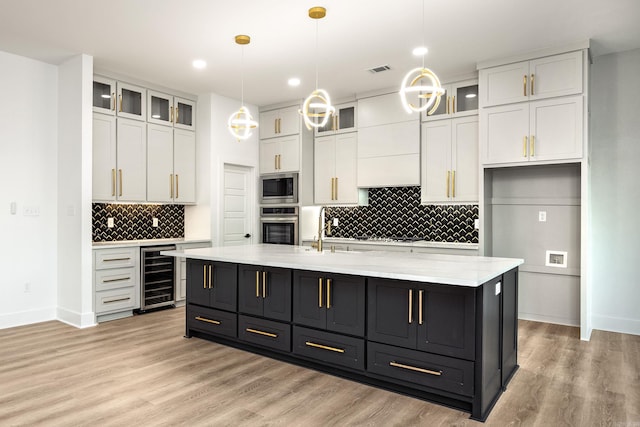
x: 124, y: 279
x: 116, y: 259
x: 204, y: 319
x: 117, y: 300
x: 324, y: 347
x: 266, y: 334
x: 413, y: 368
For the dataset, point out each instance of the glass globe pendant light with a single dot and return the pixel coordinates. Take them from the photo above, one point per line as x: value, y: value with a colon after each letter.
x: 316, y: 108
x: 241, y: 122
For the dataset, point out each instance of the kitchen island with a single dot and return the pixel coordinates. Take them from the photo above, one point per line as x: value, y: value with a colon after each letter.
x: 438, y: 327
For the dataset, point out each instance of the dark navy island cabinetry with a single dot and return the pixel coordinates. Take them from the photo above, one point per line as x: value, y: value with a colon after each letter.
x: 447, y: 343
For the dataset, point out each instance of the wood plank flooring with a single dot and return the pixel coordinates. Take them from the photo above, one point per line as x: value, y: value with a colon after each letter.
x: 141, y: 371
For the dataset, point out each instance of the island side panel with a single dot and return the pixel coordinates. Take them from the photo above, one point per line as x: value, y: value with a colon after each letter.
x: 509, y: 325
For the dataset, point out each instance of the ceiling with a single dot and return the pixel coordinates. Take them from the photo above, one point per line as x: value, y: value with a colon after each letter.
x: 156, y: 40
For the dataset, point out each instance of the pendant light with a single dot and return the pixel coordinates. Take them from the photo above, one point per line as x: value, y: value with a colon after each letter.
x: 317, y: 108
x: 429, y: 90
x: 241, y: 122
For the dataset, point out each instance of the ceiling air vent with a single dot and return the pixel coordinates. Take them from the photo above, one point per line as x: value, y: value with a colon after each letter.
x: 379, y: 69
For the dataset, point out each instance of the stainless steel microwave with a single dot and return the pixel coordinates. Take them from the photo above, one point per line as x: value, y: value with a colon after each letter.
x: 279, y: 188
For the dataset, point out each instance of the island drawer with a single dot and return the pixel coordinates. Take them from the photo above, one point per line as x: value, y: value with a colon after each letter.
x: 267, y: 333
x: 424, y: 369
x: 211, y: 321
x: 328, y: 347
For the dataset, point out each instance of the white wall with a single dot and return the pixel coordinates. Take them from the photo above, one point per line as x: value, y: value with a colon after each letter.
x: 615, y: 192
x: 28, y: 173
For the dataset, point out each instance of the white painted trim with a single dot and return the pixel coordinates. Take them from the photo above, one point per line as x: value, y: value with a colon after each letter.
x: 21, y: 318
x: 533, y: 54
x: 549, y: 319
x: 73, y: 318
x: 616, y: 324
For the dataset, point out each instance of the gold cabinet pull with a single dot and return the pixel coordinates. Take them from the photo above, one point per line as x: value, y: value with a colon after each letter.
x: 447, y: 107
x: 280, y: 125
x: 113, y: 182
x: 123, y: 279
x: 117, y: 259
x: 264, y: 284
x: 120, y: 173
x: 177, y: 187
x: 453, y: 104
x: 171, y: 114
x: 336, y: 188
x: 448, y: 183
x: 117, y: 300
x: 410, y: 306
x: 113, y: 100
x: 257, y: 284
x: 177, y: 115
x: 320, y: 292
x: 413, y: 368
x: 324, y: 347
x: 275, y: 125
x: 279, y: 161
x: 275, y: 162
x: 120, y: 109
x: 453, y: 184
x: 204, y: 277
x: 524, y: 147
x: 328, y: 293
x: 532, y: 148
x: 532, y: 84
x: 332, y: 188
x: 171, y: 186
x: 204, y: 319
x: 210, y: 278
x: 259, y: 332
x: 524, y: 85
x: 420, y: 297
x: 336, y: 122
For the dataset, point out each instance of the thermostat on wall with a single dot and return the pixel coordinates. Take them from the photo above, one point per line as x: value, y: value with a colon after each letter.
x: 556, y: 259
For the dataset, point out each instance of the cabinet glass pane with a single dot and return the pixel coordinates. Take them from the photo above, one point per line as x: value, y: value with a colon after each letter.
x: 102, y: 95
x: 131, y: 102
x: 442, y: 108
x: 467, y: 98
x: 184, y: 113
x: 326, y: 128
x: 159, y: 108
x: 347, y: 117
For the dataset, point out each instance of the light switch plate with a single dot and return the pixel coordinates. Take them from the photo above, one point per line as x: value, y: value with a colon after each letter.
x: 335, y: 222
x: 155, y: 222
x: 542, y: 216
x: 110, y: 222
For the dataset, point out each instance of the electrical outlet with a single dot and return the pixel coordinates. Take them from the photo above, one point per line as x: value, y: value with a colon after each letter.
x: 27, y: 288
x: 110, y: 222
x: 476, y: 224
x: 335, y: 222
x: 155, y: 222
x: 13, y: 208
x: 498, y: 288
x: 31, y: 211
x: 542, y: 216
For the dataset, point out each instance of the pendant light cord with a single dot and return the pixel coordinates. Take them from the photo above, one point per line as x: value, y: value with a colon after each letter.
x: 317, y: 53
x: 242, y: 77
x: 423, y: 33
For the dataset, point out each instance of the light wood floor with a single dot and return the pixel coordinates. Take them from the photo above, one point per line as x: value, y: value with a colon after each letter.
x: 141, y: 371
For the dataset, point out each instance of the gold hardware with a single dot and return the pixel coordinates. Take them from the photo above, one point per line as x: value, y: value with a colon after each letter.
x: 336, y: 188
x: 453, y: 184
x: 177, y: 187
x: 532, y: 84
x: 266, y: 334
x: 324, y: 347
x: 410, y: 306
x: 275, y: 162
x: 275, y: 125
x: 264, y: 284
x: 317, y: 12
x: 320, y: 292
x: 420, y: 296
x: 117, y: 300
x: 204, y: 319
x: 120, y: 109
x: 117, y: 259
x: 336, y: 121
x: 120, y: 172
x: 204, y: 277
x: 171, y: 185
x: 413, y: 368
x: 113, y: 182
x: 453, y: 104
x: 210, y: 279
x: 447, y: 107
x: 328, y: 293
x: 524, y: 85
x: 113, y: 99
x: 257, y: 284
x: 448, y: 181
x: 124, y: 279
x: 332, y: 188
x: 279, y: 161
x: 532, y: 148
x: 279, y: 125
x: 177, y: 114
x: 171, y: 114
x: 524, y: 147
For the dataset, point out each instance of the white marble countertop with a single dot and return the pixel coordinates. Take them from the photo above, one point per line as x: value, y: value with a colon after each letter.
x: 148, y: 242
x: 460, y: 270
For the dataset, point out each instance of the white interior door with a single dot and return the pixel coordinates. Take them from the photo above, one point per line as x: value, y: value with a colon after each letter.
x: 237, y: 227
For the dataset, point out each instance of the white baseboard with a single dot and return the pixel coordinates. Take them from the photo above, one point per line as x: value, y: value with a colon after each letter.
x: 616, y: 324
x: 548, y: 319
x: 28, y: 317
x: 73, y: 318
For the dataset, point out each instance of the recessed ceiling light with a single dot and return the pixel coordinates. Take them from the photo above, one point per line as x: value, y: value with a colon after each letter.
x: 199, y: 64
x: 294, y: 81
x: 470, y: 95
x: 420, y: 51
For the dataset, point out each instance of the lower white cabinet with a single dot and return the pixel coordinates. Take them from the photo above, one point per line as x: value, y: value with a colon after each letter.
x: 181, y: 269
x: 450, y: 161
x: 538, y: 131
x: 335, y: 163
x: 116, y: 281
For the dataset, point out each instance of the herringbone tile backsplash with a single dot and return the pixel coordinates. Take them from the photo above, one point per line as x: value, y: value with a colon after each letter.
x: 135, y: 222
x: 396, y: 212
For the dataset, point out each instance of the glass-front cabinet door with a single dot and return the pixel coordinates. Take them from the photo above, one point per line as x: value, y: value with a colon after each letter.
x: 460, y: 99
x: 160, y: 109
x: 185, y: 114
x: 131, y: 101
x: 104, y: 95
x: 344, y: 120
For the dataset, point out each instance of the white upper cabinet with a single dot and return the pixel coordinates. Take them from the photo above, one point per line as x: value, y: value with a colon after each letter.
x: 551, y: 76
x: 280, y: 154
x: 460, y: 99
x: 168, y: 110
x: 335, y: 162
x: 382, y: 110
x: 118, y: 98
x: 450, y: 161
x: 344, y: 120
x: 280, y: 122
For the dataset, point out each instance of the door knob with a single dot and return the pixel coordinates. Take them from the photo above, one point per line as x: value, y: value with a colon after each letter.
x: 247, y: 235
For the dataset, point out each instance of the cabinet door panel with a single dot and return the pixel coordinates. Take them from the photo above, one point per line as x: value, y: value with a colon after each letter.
x: 557, y: 75
x: 131, y: 101
x: 345, y: 304
x: 249, y: 290
x: 277, y: 293
x: 436, y: 161
x: 465, y: 159
x: 324, y: 169
x: 308, y: 300
x: 388, y: 313
x: 197, y: 289
x: 269, y: 149
x: 211, y: 321
x: 392, y: 139
x: 289, y: 121
x: 184, y: 166
x: 556, y: 125
x: 224, y: 286
x: 289, y: 153
x: 132, y: 160
x: 448, y: 319
x: 346, y: 161
x: 504, y: 84
x: 389, y: 171
x: 268, y: 124
x: 504, y: 133
x: 334, y: 349
x: 266, y: 333
x: 104, y: 95
x: 104, y: 157
x: 185, y: 114
x: 160, y: 109
x: 159, y: 163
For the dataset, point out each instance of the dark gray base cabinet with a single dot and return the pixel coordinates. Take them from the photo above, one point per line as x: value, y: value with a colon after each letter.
x: 265, y: 333
x: 265, y: 291
x: 329, y: 348
x: 212, y: 284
